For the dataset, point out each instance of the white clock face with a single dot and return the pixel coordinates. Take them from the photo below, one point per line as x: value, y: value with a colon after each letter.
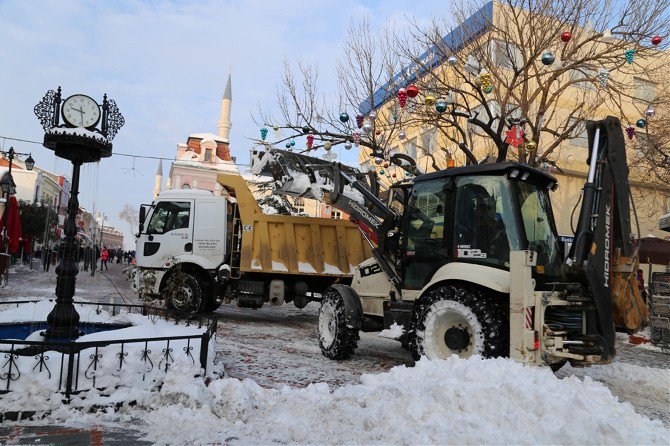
x: 80, y: 111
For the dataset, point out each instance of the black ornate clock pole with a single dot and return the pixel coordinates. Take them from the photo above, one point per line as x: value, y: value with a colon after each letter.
x: 80, y: 141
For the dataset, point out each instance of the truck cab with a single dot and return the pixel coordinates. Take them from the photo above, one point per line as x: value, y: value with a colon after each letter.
x: 188, y: 227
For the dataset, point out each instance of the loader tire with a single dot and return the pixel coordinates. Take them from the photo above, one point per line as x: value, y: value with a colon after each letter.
x: 188, y: 297
x: 336, y: 339
x: 555, y: 367
x: 458, y: 320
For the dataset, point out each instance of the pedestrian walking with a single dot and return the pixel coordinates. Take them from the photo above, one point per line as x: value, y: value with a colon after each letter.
x: 88, y: 256
x: 47, y: 257
x: 104, y: 256
x: 640, y: 285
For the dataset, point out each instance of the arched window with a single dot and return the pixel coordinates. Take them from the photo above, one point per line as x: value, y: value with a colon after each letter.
x: 185, y: 186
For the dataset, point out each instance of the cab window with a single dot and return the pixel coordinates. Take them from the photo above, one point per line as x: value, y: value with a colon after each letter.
x: 485, y: 226
x: 425, y: 231
x: 168, y: 216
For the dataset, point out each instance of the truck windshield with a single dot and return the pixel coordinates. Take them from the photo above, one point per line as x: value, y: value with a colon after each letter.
x: 168, y: 216
x: 540, y: 229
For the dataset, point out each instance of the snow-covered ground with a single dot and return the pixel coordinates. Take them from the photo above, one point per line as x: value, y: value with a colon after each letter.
x: 279, y: 389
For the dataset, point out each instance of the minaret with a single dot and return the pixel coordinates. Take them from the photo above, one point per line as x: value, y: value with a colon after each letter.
x: 159, y: 178
x: 226, y: 103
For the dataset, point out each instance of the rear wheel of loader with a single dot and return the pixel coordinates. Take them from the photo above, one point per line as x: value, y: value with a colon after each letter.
x: 336, y: 339
x: 187, y: 297
x: 454, y: 320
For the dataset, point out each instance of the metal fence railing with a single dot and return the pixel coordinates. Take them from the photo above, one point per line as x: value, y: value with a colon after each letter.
x: 70, y: 367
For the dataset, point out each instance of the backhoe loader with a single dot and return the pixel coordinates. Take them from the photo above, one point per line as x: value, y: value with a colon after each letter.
x: 468, y: 261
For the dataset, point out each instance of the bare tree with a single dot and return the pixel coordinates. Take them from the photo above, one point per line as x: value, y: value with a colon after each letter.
x: 367, y: 65
x: 517, y: 83
x: 539, y: 67
x: 129, y: 214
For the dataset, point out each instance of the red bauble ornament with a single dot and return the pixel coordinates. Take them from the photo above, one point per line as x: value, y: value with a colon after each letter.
x: 566, y: 36
x: 412, y: 91
x: 656, y: 40
x: 378, y: 132
x: 394, y: 175
x: 359, y: 121
x: 310, y: 141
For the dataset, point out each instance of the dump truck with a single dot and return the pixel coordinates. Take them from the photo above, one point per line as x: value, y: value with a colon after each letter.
x: 468, y: 262
x: 215, y: 249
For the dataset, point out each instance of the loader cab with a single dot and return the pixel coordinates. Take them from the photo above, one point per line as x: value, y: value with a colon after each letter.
x: 478, y: 214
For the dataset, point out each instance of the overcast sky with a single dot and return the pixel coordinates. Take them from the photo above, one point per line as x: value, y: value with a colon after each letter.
x: 165, y: 63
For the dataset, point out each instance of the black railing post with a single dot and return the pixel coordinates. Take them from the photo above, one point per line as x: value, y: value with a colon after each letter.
x: 70, y: 371
x: 204, y: 346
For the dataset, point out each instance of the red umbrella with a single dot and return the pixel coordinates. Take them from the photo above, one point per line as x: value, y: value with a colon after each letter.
x: 654, y: 250
x: 13, y: 225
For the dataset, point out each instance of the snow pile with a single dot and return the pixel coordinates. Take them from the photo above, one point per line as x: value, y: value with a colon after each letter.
x: 38, y: 311
x: 393, y: 332
x: 455, y: 401
x: 79, y: 131
x: 647, y: 388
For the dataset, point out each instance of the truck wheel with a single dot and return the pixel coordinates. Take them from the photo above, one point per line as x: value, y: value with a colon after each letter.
x: 188, y: 297
x: 452, y: 320
x: 336, y: 339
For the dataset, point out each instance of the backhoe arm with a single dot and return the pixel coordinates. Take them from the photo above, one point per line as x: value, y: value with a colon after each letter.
x: 341, y: 186
x: 603, y: 256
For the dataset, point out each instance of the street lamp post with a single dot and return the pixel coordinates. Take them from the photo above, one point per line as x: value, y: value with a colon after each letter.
x: 8, y: 186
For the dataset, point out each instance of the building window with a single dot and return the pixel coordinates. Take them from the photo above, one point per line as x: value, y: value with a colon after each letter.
x: 579, y: 136
x: 208, y: 155
x: 644, y: 90
x: 583, y: 77
x: 336, y: 214
x: 299, y: 204
x: 506, y: 55
x: 185, y: 186
x: 480, y: 113
x: 367, y: 166
x: 410, y: 147
x: 428, y: 141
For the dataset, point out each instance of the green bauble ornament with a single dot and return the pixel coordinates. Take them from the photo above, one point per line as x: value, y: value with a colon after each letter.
x: 344, y: 117
x: 381, y: 172
x: 305, y: 129
x: 288, y: 145
x: 489, y: 89
x: 641, y: 123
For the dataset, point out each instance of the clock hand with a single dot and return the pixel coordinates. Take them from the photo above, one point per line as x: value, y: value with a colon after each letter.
x: 81, y: 112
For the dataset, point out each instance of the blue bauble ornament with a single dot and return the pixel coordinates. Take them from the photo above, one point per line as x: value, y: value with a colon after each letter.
x: 441, y: 106
x: 548, y: 58
x: 344, y: 117
x: 641, y: 123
